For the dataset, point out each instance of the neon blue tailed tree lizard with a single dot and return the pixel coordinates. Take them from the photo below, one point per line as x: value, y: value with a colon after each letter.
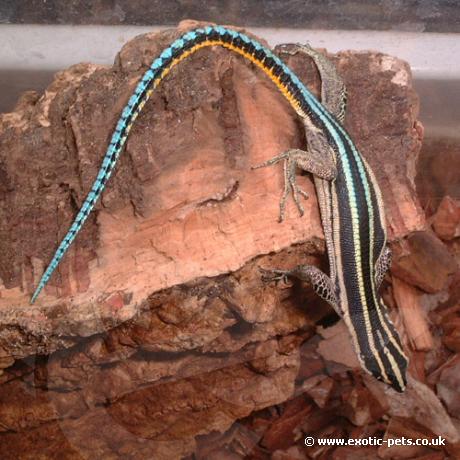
x: 350, y: 201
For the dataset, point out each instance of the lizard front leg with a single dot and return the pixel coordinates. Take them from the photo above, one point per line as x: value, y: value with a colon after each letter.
x: 320, y: 282
x: 382, y: 266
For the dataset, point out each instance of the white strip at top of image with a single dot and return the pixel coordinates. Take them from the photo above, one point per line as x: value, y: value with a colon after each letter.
x: 55, y: 47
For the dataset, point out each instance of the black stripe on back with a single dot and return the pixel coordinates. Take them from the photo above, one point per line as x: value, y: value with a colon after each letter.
x: 348, y: 259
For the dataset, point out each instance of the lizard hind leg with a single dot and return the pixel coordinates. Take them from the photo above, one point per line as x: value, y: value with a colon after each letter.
x: 333, y: 89
x: 290, y: 160
x: 320, y: 157
x: 313, y: 161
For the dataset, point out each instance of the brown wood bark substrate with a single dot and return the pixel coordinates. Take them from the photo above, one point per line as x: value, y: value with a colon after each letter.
x: 156, y: 338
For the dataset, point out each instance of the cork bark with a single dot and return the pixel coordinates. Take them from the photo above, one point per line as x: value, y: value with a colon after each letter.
x: 156, y: 337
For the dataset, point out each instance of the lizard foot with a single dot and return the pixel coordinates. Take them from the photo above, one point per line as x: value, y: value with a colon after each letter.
x: 291, y: 158
x: 270, y: 276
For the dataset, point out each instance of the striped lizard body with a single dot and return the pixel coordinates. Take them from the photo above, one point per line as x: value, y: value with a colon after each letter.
x: 350, y: 203
x: 353, y: 220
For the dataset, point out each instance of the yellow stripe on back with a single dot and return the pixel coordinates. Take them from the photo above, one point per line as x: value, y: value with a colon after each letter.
x: 260, y: 63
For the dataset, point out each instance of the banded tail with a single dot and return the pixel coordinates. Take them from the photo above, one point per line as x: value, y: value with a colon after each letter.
x: 300, y: 98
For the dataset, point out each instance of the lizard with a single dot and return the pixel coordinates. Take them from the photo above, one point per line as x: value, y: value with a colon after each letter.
x: 350, y: 200
x: 388, y: 362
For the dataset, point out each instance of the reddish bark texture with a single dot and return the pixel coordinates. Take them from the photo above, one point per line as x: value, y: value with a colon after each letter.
x: 157, y: 337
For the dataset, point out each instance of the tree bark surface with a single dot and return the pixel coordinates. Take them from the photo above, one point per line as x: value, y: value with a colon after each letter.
x: 156, y: 327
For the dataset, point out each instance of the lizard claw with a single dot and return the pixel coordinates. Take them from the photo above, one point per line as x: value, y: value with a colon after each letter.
x: 302, y: 192
x: 292, y: 48
x: 271, y: 161
x: 269, y: 276
x: 296, y: 191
